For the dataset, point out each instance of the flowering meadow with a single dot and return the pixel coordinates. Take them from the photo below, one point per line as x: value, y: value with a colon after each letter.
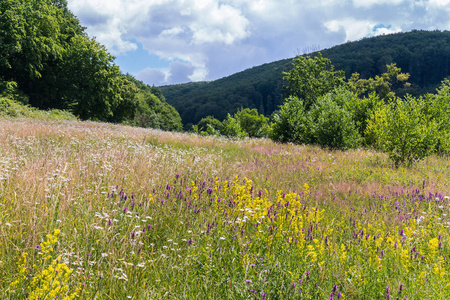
x: 102, y: 211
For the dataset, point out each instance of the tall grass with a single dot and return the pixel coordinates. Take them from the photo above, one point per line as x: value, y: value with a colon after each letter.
x: 95, y: 210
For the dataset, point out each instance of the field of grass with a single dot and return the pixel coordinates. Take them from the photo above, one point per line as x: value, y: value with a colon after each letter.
x: 101, y: 211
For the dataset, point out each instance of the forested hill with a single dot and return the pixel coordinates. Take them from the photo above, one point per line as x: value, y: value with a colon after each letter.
x: 425, y: 55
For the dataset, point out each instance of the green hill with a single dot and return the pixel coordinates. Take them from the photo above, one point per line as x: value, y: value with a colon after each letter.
x: 423, y: 54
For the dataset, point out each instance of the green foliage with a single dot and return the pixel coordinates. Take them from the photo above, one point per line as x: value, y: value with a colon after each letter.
x: 208, y: 125
x: 232, y: 128
x: 45, y: 50
x: 152, y: 110
x: 244, y: 123
x: 252, y: 123
x: 437, y: 107
x: 362, y: 109
x: 311, y: 78
x: 403, y: 130
x: 381, y: 85
x: 292, y: 123
x: 329, y: 123
x: 13, y: 108
x: 333, y: 124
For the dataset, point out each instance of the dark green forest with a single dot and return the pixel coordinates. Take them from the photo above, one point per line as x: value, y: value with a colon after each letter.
x: 425, y: 55
x: 47, y: 61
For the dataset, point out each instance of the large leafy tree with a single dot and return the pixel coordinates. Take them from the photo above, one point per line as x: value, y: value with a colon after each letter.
x: 311, y: 78
x: 45, y: 50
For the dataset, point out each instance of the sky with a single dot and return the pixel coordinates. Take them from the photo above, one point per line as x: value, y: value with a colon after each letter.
x: 163, y: 42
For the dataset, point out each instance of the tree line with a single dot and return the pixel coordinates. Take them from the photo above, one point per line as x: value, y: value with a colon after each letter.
x: 324, y: 108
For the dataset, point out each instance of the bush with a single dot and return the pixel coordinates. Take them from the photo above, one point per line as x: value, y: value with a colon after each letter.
x: 438, y: 108
x: 15, y: 109
x: 333, y: 125
x: 252, y: 123
x: 328, y: 123
x: 208, y: 126
x: 404, y: 130
x: 232, y: 128
x: 291, y: 123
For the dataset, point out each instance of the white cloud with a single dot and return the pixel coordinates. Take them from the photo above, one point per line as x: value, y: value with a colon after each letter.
x: 369, y: 3
x: 152, y: 76
x: 440, y: 2
x: 354, y: 29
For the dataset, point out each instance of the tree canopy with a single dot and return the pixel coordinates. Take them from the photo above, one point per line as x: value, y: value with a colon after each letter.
x: 46, y: 53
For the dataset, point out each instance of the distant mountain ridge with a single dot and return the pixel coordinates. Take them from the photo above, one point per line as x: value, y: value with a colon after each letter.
x: 423, y: 54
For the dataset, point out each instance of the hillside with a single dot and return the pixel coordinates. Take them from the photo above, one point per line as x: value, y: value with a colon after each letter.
x: 423, y: 54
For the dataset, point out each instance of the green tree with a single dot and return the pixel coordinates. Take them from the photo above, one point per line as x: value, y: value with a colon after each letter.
x: 403, y: 130
x: 252, y: 123
x: 311, y: 78
x: 232, y: 128
x: 437, y: 107
x: 382, y: 85
x: 45, y: 50
x: 332, y: 121
x: 292, y: 123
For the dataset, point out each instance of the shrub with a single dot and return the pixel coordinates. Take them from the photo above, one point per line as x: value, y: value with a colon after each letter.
x: 328, y: 123
x: 333, y: 125
x: 291, y: 123
x: 232, y: 128
x: 252, y: 123
x: 438, y: 108
x: 208, y: 126
x: 403, y: 130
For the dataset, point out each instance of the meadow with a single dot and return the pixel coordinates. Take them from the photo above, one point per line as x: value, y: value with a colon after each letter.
x: 101, y: 211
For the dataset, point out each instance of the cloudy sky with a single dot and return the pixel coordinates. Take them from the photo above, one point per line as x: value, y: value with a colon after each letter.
x: 174, y: 41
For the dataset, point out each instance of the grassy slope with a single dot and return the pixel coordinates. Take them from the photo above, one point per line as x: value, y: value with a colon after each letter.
x: 101, y: 185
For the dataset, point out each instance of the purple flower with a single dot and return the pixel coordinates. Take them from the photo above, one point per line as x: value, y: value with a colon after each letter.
x: 264, y: 295
x: 38, y: 247
x: 248, y: 280
x: 125, y: 209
